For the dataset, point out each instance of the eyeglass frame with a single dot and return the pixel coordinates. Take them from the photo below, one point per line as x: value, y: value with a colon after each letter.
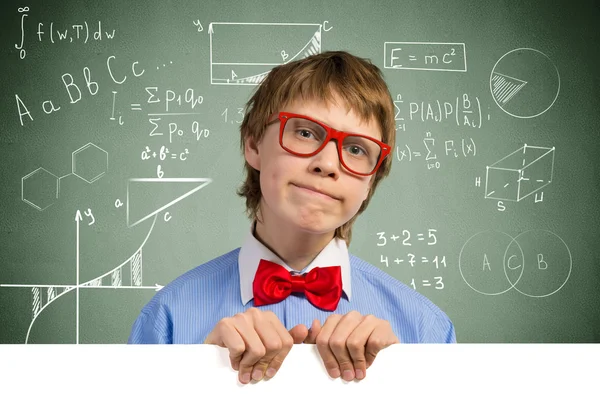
x: 332, y: 134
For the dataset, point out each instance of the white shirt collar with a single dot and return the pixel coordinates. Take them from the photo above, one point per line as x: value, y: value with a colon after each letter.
x: 252, y: 251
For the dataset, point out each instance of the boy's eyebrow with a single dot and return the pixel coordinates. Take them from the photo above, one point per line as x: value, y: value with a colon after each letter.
x: 358, y: 132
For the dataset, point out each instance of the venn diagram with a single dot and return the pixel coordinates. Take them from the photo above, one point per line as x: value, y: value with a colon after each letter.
x: 536, y: 263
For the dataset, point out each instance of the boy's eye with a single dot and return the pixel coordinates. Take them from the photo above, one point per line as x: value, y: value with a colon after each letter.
x: 356, y: 150
x: 307, y: 133
x: 305, y: 130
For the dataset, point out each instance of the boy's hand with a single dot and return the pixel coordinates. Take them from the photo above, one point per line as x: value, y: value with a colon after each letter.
x: 349, y: 343
x: 257, y: 342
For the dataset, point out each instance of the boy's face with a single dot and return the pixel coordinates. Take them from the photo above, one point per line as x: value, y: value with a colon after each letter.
x: 283, y: 175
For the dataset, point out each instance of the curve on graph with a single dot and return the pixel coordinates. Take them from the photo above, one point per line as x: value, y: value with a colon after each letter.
x: 82, y: 284
x: 301, y: 52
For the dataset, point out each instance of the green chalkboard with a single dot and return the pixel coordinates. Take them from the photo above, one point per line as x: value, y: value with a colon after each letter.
x: 120, y: 155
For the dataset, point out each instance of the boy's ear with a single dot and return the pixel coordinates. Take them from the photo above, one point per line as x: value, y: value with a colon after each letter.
x: 251, y: 153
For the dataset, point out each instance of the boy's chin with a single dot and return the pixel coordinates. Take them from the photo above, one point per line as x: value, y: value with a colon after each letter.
x: 314, y: 229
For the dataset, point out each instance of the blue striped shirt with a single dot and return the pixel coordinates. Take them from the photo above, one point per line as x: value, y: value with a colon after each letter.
x: 187, y: 309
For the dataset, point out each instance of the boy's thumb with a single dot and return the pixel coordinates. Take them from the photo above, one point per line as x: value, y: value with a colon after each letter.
x: 299, y: 333
x: 313, y: 332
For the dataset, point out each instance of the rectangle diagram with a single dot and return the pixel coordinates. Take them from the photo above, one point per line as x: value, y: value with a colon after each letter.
x: 244, y: 53
x: 425, y: 56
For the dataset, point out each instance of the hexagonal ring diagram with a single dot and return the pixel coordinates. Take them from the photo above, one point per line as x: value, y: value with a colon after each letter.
x: 39, y: 188
x: 90, y: 162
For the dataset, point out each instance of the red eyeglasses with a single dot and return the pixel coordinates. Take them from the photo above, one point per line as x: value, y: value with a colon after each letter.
x: 303, y: 136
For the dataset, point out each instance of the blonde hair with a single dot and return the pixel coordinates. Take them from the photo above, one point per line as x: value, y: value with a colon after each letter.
x: 356, y: 81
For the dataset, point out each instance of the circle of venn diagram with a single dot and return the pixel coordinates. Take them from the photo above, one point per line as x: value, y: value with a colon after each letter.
x: 536, y: 263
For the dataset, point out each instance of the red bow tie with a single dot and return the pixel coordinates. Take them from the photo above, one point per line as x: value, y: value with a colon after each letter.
x: 321, y: 286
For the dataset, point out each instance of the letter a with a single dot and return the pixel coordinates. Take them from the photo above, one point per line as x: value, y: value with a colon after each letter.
x: 19, y: 104
x: 486, y: 263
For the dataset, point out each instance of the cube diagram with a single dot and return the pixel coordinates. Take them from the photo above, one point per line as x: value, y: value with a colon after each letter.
x: 519, y: 174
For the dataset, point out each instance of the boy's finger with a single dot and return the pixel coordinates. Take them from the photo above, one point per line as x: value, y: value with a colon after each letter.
x: 356, y: 344
x: 274, y: 338
x: 229, y: 337
x: 253, y: 353
x: 270, y: 368
x: 323, y: 346
x: 338, y: 342
x: 375, y: 343
x: 288, y: 341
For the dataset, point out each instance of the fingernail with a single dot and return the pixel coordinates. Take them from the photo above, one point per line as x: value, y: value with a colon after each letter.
x: 359, y: 373
x: 271, y: 372
x: 245, y: 377
x: 334, y: 373
x: 347, y: 375
x: 257, y: 374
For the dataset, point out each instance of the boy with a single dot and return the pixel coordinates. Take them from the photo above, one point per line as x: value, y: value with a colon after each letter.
x: 317, y: 137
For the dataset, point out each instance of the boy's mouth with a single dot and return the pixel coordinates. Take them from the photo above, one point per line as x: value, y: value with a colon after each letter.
x: 315, y: 191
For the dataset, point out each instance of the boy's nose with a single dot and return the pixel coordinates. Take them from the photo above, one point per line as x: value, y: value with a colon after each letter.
x: 328, y: 158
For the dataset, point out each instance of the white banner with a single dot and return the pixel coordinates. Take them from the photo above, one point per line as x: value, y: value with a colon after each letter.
x: 470, y: 371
